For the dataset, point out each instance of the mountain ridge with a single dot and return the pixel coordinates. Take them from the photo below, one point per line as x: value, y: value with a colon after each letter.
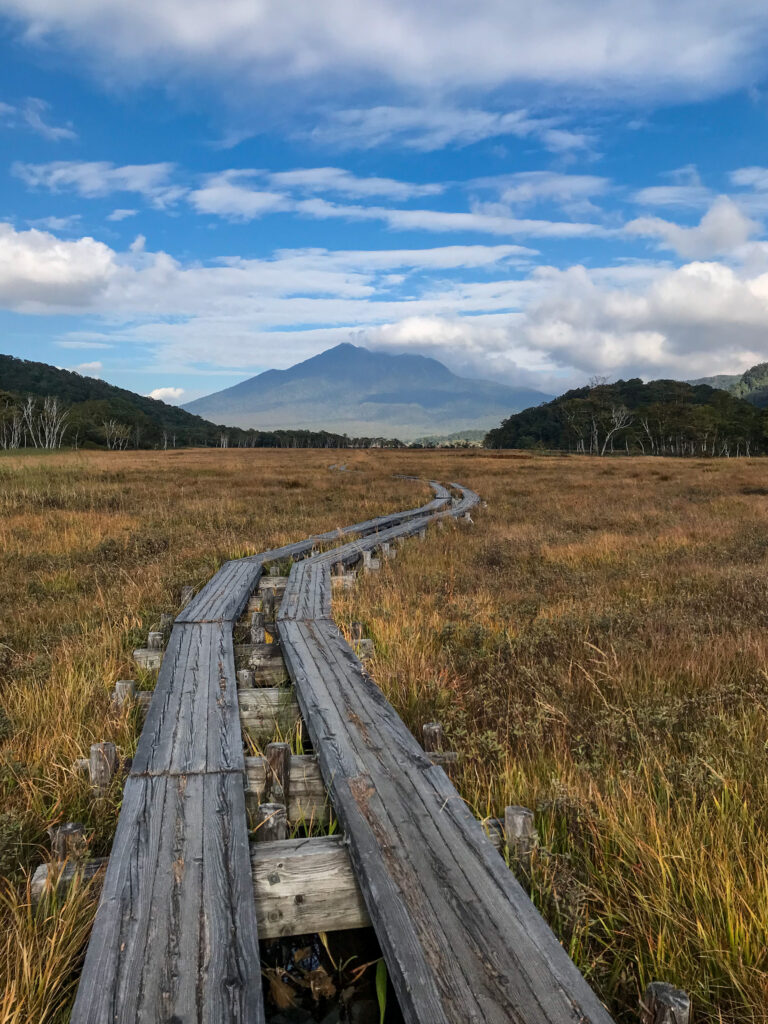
x: 351, y: 389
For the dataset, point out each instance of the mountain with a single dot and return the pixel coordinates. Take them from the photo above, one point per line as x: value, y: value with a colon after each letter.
x: 134, y: 420
x: 662, y: 417
x: 752, y: 385
x: 352, y: 390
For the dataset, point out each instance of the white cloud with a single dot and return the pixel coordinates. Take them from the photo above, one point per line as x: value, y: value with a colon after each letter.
x: 90, y: 369
x: 33, y: 111
x: 121, y: 214
x: 495, y: 318
x: 228, y: 195
x: 69, y: 223
x: 335, y: 179
x: 170, y: 395
x: 751, y: 177
x: 31, y: 115
x: 529, y: 187
x: 722, y: 229
x: 39, y: 271
x: 427, y: 128
x: 94, y: 179
x: 622, y: 46
x: 691, y: 196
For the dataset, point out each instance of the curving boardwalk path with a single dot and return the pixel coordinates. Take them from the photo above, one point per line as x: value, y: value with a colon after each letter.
x: 175, y: 935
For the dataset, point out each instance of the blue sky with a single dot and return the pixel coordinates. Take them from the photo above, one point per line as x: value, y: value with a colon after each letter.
x: 192, y: 192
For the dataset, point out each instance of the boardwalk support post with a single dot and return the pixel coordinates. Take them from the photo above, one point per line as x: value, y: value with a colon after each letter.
x: 272, y: 824
x: 664, y: 1004
x: 155, y: 640
x: 125, y: 692
x: 102, y: 765
x: 432, y: 736
x: 278, y: 773
x: 520, y: 831
x: 67, y: 841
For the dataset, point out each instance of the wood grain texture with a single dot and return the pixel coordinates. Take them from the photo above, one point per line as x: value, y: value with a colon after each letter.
x: 175, y: 935
x: 306, y: 885
x: 462, y: 941
x: 192, y: 724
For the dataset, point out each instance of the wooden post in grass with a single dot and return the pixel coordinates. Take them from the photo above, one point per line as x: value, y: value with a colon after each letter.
x: 155, y: 640
x: 664, y: 1004
x: 268, y: 605
x: 187, y: 593
x: 125, y: 692
x: 67, y: 841
x: 432, y: 736
x: 520, y: 831
x: 387, y: 551
x: 423, y: 533
x: 274, y: 569
x: 102, y: 765
x: 272, y: 823
x: 278, y: 773
x: 356, y: 632
x: 166, y: 622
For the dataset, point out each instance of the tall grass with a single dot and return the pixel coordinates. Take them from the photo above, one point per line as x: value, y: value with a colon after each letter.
x: 596, y: 647
x: 93, y: 547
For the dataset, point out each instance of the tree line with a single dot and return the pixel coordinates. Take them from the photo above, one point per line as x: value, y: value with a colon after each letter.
x: 663, y: 417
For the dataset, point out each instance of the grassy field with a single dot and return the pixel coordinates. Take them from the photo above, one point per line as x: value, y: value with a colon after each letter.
x: 595, y: 646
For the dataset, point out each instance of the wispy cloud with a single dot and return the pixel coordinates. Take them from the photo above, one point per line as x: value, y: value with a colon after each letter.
x: 98, y: 178
x: 32, y: 113
x: 70, y: 223
x: 427, y: 128
x: 121, y: 214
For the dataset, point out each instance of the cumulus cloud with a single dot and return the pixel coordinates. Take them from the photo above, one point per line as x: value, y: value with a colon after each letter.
x: 172, y: 396
x: 97, y: 178
x: 89, y: 369
x: 722, y: 229
x: 479, y: 308
x: 621, y: 45
x: 39, y: 271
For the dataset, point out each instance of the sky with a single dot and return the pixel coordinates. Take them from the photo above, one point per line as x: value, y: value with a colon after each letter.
x: 193, y: 191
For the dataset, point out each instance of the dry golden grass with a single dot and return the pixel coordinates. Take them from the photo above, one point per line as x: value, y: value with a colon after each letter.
x: 595, y: 646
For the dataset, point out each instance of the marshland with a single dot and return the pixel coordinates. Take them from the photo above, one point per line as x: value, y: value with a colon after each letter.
x: 594, y: 645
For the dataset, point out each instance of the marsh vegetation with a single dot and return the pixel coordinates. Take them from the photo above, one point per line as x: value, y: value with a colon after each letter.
x: 595, y: 646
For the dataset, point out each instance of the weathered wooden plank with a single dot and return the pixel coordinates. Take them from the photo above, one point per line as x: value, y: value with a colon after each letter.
x: 461, y: 939
x: 307, y: 797
x: 306, y: 885
x: 267, y: 710
x: 299, y: 886
x: 226, y: 594
x: 192, y: 724
x: 175, y: 934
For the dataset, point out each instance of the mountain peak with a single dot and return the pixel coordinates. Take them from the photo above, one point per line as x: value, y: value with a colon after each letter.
x: 355, y: 390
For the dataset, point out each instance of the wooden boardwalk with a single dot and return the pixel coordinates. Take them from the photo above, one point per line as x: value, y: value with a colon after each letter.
x: 175, y: 937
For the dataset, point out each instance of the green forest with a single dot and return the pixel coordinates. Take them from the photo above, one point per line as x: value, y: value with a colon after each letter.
x: 42, y: 406
x: 663, y: 417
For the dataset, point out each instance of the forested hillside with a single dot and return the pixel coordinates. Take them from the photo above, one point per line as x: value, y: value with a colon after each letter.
x: 44, y: 407
x: 663, y: 417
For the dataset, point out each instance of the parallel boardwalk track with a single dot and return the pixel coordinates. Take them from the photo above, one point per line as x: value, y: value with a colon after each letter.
x: 175, y: 937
